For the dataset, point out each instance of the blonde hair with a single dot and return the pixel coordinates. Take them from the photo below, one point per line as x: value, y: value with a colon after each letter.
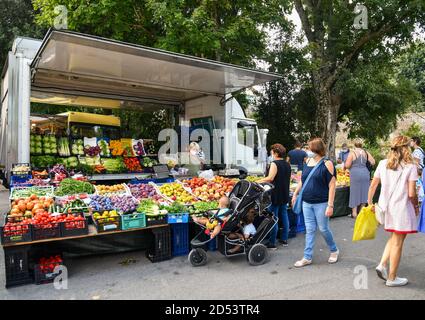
x: 194, y: 146
x: 399, y: 153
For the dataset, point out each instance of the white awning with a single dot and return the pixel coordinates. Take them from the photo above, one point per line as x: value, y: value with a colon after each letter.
x: 84, y: 64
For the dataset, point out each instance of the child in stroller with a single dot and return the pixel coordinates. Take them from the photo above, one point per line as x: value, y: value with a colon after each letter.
x: 217, y: 220
x: 244, y: 197
x: 248, y: 230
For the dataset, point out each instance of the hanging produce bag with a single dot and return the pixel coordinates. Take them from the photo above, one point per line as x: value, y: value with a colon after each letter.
x: 421, y: 223
x: 366, y: 225
x: 138, y: 147
x: 90, y: 142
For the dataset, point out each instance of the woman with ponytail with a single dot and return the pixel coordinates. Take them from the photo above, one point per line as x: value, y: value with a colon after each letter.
x: 397, y: 175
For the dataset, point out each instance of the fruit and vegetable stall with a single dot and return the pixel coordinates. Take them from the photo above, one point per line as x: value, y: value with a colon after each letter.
x: 73, y: 216
x: 55, y: 214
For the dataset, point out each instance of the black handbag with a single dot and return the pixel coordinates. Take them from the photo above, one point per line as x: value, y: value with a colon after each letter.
x: 369, y: 165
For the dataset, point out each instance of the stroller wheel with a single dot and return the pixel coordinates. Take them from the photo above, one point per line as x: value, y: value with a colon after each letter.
x: 198, y: 257
x: 257, y: 255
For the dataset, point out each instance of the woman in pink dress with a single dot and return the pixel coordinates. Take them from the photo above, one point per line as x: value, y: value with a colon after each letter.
x: 397, y: 175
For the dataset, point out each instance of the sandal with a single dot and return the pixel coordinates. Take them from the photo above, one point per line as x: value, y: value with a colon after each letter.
x: 334, y: 257
x: 302, y: 263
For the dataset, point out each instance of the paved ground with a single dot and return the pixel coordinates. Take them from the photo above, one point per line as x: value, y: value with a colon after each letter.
x: 103, y: 277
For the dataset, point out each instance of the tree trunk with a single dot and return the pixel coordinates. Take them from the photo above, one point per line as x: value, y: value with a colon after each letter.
x: 327, y: 117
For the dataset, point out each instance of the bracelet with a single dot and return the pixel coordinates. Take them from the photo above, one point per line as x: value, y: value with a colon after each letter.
x: 329, y: 206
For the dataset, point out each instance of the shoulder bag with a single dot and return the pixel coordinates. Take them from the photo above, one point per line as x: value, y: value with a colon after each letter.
x: 298, y: 206
x: 368, y: 163
x: 381, y: 212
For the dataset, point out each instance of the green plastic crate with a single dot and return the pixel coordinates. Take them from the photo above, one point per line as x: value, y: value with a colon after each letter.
x: 133, y: 221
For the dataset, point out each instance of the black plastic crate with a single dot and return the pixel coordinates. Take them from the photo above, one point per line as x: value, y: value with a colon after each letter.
x: 44, y: 273
x: 15, y: 234
x: 160, y: 249
x: 75, y: 228
x: 17, y: 267
x: 157, y: 220
x: 46, y: 231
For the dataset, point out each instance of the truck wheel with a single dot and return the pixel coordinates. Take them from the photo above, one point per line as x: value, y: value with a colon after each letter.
x: 198, y: 257
x: 258, y: 254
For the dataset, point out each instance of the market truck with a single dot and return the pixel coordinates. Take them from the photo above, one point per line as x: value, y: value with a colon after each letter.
x: 69, y: 68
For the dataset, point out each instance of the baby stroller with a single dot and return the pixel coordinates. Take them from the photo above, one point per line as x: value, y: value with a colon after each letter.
x: 244, y: 196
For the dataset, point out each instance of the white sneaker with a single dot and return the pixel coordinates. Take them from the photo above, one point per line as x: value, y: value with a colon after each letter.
x: 397, y: 282
x: 382, y: 272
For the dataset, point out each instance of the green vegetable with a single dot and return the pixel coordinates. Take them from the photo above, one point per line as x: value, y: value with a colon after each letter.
x: 64, y: 147
x: 114, y: 165
x: 86, y: 169
x: 44, y: 161
x: 149, y: 207
x: 201, y: 207
x: 70, y: 186
x: 174, y: 208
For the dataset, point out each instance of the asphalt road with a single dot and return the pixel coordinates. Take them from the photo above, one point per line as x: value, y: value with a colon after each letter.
x: 105, y: 277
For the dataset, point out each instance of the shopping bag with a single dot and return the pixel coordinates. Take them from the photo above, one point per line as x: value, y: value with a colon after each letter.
x: 421, y: 223
x: 207, y: 174
x: 366, y: 225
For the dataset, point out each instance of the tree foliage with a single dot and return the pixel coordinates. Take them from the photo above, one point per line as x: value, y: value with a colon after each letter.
x: 373, y: 97
x: 344, y: 74
x: 415, y: 130
x: 337, y: 47
x: 228, y: 30
x: 412, y: 67
x: 17, y: 19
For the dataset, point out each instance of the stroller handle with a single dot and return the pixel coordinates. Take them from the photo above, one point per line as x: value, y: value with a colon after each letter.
x: 267, y: 186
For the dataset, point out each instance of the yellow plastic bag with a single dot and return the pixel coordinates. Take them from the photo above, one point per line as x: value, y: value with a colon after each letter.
x: 366, y: 225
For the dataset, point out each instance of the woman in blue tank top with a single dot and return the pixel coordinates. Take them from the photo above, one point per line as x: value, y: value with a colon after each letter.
x: 318, y: 199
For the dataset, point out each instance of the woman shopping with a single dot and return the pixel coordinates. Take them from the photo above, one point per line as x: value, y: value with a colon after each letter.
x: 318, y: 193
x: 196, y: 159
x: 398, y: 200
x: 359, y: 177
x: 280, y: 176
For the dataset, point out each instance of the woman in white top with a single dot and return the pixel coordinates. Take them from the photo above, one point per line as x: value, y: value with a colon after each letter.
x: 397, y: 175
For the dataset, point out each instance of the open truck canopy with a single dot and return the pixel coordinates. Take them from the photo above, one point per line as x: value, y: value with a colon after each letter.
x: 70, y: 62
